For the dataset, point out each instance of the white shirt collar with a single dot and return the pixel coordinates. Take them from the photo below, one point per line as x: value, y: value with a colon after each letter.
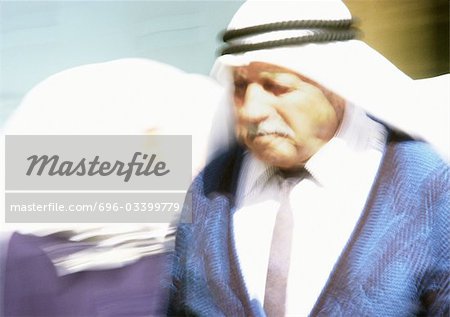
x: 254, y: 174
x: 335, y: 161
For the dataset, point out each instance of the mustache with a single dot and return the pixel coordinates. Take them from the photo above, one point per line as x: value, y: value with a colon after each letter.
x: 270, y: 127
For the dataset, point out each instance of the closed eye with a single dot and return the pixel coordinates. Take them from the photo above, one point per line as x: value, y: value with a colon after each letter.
x: 275, y: 88
x: 240, y: 87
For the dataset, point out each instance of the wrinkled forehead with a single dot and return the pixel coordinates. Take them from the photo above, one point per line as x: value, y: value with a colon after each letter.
x: 260, y: 68
x: 256, y: 71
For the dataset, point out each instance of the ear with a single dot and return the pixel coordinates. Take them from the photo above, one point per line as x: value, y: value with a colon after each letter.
x: 337, y: 102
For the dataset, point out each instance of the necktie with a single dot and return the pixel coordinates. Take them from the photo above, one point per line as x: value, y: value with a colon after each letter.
x: 280, y: 250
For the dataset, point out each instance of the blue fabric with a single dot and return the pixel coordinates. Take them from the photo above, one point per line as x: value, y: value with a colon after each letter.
x: 32, y: 287
x: 396, y: 263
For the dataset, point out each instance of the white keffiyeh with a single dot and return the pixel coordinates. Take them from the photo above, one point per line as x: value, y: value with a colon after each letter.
x: 350, y: 68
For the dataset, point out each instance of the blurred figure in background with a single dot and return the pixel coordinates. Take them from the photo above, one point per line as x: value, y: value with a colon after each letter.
x: 328, y: 203
x: 103, y: 269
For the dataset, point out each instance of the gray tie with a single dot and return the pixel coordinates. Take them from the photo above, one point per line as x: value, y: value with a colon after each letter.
x: 280, y: 251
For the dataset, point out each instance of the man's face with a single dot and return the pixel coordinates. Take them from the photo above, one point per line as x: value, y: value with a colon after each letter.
x: 281, y: 116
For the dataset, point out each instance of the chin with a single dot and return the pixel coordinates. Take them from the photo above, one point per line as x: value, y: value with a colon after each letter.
x: 285, y: 163
x: 274, y: 150
x: 282, y: 157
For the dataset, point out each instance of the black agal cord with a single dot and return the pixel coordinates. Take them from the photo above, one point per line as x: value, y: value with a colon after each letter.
x: 323, y: 31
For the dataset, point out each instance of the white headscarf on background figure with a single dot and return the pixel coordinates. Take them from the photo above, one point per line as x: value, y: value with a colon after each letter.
x: 350, y: 68
x: 122, y: 97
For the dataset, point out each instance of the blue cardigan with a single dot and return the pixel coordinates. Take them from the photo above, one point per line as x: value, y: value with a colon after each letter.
x: 396, y: 262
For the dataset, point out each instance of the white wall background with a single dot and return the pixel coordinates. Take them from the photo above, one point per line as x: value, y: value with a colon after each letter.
x: 38, y: 39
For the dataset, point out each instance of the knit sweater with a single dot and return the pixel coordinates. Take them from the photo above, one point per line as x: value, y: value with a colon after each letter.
x: 396, y: 262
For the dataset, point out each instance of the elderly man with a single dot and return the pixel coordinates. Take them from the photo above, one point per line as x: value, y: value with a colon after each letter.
x: 320, y: 208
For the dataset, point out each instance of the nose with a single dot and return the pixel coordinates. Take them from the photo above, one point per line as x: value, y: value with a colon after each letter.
x: 256, y: 105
